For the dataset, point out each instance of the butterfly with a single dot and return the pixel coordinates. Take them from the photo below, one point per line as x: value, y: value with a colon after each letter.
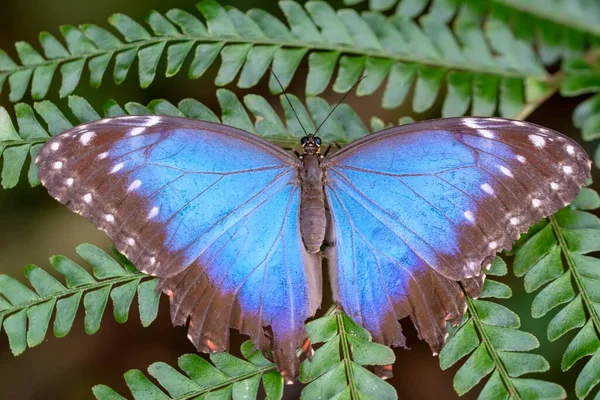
x: 233, y: 225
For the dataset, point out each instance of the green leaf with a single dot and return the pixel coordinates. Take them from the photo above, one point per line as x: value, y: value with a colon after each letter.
x: 399, y: 82
x: 233, y: 57
x: 320, y: 70
x: 37, y: 307
x: 189, y: 24
x: 458, y: 98
x: 585, y: 343
x: 257, y: 63
x: 71, y: 74
x: 273, y: 385
x: 141, y: 387
x: 494, y: 314
x: 558, y: 292
x: 518, y: 364
x: 14, y: 159
x: 570, y: 317
x: 428, y: 84
x: 176, y: 56
x: 104, y: 266
x: 473, y: 370
x: 122, y: 296
x: 148, y: 300
x: 463, y: 342
x: 204, y: 56
x: 148, y: 59
x: 217, y: 19
x: 130, y: 29
x: 123, y: 62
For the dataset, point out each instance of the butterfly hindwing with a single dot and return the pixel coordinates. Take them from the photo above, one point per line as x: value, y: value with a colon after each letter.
x: 417, y: 207
x: 211, y: 210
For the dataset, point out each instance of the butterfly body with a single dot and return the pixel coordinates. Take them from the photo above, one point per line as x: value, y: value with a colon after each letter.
x: 232, y: 225
x: 312, y: 210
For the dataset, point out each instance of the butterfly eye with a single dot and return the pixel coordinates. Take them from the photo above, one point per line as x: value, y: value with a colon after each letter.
x: 318, y: 141
x: 303, y: 140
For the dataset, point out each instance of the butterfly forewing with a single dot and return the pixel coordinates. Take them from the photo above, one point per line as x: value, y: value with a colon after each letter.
x: 210, y: 209
x: 417, y: 207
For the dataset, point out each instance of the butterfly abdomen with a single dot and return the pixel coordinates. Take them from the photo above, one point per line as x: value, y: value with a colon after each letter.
x: 312, y: 209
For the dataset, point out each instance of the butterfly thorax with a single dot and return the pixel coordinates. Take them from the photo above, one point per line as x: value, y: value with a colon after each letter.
x: 312, y: 210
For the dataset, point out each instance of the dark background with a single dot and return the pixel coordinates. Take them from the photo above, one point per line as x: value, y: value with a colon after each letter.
x: 33, y: 227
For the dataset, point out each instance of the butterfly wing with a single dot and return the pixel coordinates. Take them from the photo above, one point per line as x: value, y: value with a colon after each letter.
x: 417, y: 207
x: 210, y: 209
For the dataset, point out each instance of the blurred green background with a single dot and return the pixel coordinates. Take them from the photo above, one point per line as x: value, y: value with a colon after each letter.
x: 34, y: 227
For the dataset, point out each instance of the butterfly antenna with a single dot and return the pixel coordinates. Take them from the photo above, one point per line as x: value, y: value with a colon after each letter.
x: 288, y: 100
x: 340, y: 102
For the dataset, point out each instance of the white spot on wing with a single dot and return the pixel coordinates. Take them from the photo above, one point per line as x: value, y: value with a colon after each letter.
x: 514, y: 221
x: 486, y: 133
x: 131, y: 242
x: 472, y: 123
x: 152, y: 260
x: 102, y: 156
x: 469, y: 215
x: 134, y: 185
x: 536, y: 203
x: 70, y: 181
x: 153, y: 212
x: 87, y: 198
x: 487, y: 188
x: 55, y: 146
x: 493, y: 245
x: 506, y: 171
x: 86, y: 137
x: 117, y: 167
x: 554, y: 185
x: 519, y: 123
x: 568, y: 169
x: 58, y: 165
x: 137, y: 131
x: 570, y: 149
x: 521, y: 159
x: 537, y: 141
x: 152, y: 121
x: 109, y: 218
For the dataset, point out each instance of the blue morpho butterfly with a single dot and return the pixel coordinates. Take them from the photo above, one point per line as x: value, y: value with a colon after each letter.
x: 233, y: 225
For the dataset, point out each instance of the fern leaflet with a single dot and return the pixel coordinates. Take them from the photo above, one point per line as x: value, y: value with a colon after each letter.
x: 489, y: 334
x: 26, y: 313
x: 227, y: 376
x: 336, y: 369
x: 555, y: 256
x: 559, y: 29
x: 479, y: 67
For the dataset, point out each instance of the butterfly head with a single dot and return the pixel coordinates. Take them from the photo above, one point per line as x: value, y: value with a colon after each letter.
x: 311, y: 144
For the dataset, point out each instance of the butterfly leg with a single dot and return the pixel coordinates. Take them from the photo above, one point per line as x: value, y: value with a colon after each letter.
x: 330, y: 146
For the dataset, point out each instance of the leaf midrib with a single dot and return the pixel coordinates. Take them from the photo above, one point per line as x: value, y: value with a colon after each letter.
x: 292, y: 44
x: 558, y: 18
x: 71, y: 291
x: 513, y: 392
x: 575, y: 274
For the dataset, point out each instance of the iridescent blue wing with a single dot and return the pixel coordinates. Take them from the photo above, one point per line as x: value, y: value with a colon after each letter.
x: 417, y: 207
x: 210, y: 209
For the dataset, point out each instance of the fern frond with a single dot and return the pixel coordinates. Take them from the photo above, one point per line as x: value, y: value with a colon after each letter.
x: 559, y: 29
x: 489, y: 333
x: 226, y: 377
x: 582, y: 76
x: 26, y: 313
x: 555, y: 257
x: 336, y: 369
x: 479, y: 66
x: 342, y: 127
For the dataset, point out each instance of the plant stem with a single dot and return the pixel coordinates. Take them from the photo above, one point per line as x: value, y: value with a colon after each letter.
x: 512, y: 390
